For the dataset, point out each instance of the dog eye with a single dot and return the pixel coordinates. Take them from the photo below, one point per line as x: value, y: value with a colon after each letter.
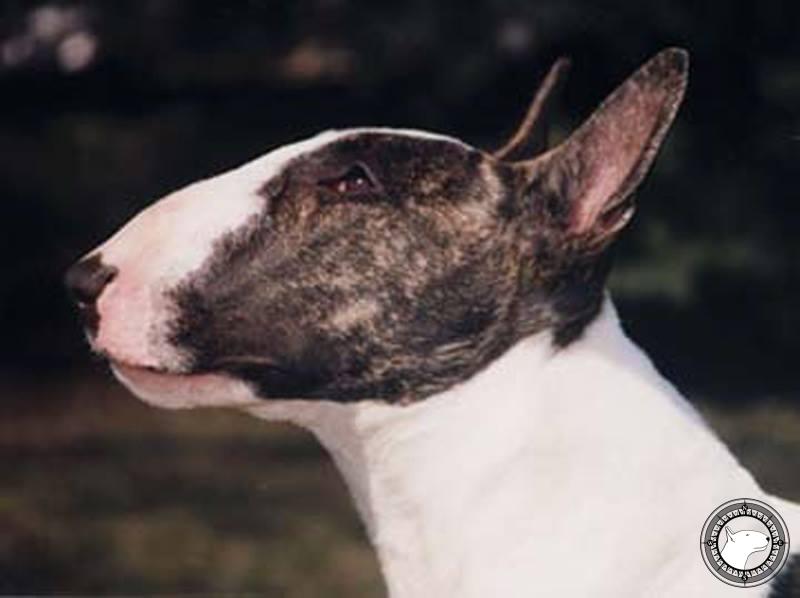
x: 356, y: 179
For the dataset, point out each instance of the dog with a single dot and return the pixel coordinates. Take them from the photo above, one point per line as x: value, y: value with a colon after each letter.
x: 437, y: 316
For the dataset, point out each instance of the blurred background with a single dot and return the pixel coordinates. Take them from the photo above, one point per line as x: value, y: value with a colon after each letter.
x: 105, y: 106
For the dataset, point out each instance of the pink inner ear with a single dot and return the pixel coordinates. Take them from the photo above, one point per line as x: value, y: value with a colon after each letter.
x: 599, y: 166
x: 615, y: 146
x: 599, y: 189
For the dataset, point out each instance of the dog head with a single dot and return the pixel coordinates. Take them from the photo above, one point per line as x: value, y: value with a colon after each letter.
x: 747, y: 541
x: 370, y: 263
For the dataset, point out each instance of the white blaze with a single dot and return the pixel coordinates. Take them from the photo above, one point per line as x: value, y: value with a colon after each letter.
x: 168, y: 241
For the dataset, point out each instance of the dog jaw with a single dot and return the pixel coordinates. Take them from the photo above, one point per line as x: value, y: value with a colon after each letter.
x: 178, y: 391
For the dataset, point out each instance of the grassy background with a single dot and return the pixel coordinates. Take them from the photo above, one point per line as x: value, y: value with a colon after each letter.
x: 101, y: 494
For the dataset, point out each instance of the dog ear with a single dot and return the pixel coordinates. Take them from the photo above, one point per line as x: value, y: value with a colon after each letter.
x: 530, y: 138
x: 729, y: 533
x: 586, y: 182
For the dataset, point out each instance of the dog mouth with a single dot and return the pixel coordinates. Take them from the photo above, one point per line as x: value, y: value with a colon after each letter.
x: 123, y: 364
x: 150, y: 377
x: 172, y: 389
x: 229, y: 380
x: 225, y: 366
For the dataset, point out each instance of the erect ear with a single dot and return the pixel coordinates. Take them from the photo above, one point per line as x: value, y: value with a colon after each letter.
x: 587, y: 181
x: 729, y: 533
x: 530, y: 138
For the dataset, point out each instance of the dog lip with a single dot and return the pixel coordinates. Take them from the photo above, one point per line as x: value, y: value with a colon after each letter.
x: 122, y: 363
x: 126, y: 365
x: 217, y: 366
x: 149, y: 376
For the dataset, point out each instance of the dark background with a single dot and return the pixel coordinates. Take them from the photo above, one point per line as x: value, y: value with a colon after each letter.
x: 105, y: 106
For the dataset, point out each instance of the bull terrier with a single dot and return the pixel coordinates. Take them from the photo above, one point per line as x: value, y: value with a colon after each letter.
x: 437, y: 316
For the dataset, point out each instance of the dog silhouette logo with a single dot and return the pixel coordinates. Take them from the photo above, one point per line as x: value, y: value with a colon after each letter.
x: 744, y: 542
x: 740, y: 545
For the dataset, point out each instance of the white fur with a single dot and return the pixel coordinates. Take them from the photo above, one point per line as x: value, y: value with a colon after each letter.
x: 580, y: 472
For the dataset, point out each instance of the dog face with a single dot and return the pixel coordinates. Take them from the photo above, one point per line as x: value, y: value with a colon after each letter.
x: 369, y: 263
x: 747, y: 541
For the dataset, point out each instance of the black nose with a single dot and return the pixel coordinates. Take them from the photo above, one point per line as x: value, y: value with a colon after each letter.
x: 86, y: 280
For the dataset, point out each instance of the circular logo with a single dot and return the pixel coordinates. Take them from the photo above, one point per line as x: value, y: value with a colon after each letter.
x: 744, y: 542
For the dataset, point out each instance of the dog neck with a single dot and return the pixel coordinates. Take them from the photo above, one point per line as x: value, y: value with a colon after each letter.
x: 545, y: 459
